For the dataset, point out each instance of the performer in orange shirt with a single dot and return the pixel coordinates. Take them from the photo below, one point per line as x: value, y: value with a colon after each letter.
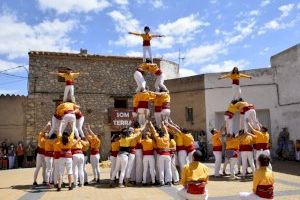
x: 146, y: 41
x: 235, y: 76
x: 216, y: 139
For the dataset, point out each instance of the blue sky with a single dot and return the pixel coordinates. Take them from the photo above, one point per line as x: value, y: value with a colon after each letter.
x: 212, y: 35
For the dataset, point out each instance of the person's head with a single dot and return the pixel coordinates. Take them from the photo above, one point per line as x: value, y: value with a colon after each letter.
x: 241, y: 132
x: 53, y: 136
x: 65, y: 138
x: 234, y: 102
x: 136, y: 125
x: 148, y: 60
x: 240, y: 99
x: 163, y: 90
x: 264, y: 160
x: 125, y: 133
x: 171, y: 136
x: 142, y: 89
x: 114, y: 138
x: 213, y: 131
x: 68, y: 70
x: 264, y: 129
x: 146, y: 29
x: 184, y: 130
x: 285, y: 129
x: 235, y: 70
x: 160, y: 132
x: 145, y: 136
x: 197, y: 156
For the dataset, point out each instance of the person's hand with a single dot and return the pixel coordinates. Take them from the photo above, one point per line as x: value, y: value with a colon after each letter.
x: 129, y: 32
x: 250, y: 77
x: 219, y: 78
x: 162, y: 36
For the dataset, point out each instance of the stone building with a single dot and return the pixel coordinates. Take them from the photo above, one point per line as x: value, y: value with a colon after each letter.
x: 106, y: 84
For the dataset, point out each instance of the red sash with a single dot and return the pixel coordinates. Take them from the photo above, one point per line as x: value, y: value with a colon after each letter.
x: 135, y: 109
x: 166, y: 105
x: 217, y: 148
x: 49, y: 153
x: 41, y: 151
x: 146, y: 43
x: 148, y: 152
x: 56, y: 154
x: 157, y: 108
x: 236, y: 82
x: 66, y: 153
x: 143, y: 104
x: 139, y: 146
x: 196, y: 188
x: 57, y: 116
x: 77, y: 151
x: 94, y: 151
x: 265, y: 191
x: 114, y: 153
x: 69, y: 82
x: 247, y: 108
x: 78, y: 115
x: 263, y: 146
x: 163, y: 152
x: 180, y: 148
x: 158, y: 72
x: 190, y: 148
x: 229, y: 114
x: 246, y: 148
x: 68, y: 111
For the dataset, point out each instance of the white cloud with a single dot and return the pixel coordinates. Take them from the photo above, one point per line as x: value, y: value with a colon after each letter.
x: 18, y: 37
x: 254, y: 13
x: 78, y: 6
x: 184, y: 72
x: 8, y: 65
x: 157, y: 3
x: 213, y: 1
x: 9, y: 92
x: 298, y: 6
x: 242, y: 30
x: 286, y: 9
x: 121, y: 2
x: 265, y: 3
x: 134, y: 54
x: 264, y: 51
x: 224, y: 66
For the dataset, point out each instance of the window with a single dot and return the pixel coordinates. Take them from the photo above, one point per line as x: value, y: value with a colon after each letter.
x: 189, y: 114
x: 120, y: 103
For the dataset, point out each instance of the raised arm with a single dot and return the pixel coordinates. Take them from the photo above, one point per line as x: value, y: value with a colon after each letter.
x: 158, y: 35
x: 224, y: 76
x: 133, y: 33
x: 174, y: 128
x: 245, y: 76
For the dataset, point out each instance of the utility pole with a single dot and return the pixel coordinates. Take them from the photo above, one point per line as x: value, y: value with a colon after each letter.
x: 180, y: 59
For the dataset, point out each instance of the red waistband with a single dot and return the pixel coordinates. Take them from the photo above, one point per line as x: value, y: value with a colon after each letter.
x: 196, y: 188
x: 78, y: 115
x: 57, y: 116
x: 158, y: 72
x: 68, y: 111
x: 148, y: 152
x: 180, y: 148
x: 246, y: 148
x: 146, y: 43
x: 166, y: 105
x: 143, y: 104
x: 157, y: 108
x: 49, y: 153
x: 247, y: 108
x: 114, y: 153
x: 139, y: 146
x: 190, y: 148
x: 41, y: 151
x: 135, y: 109
x: 265, y: 191
x: 66, y: 153
x: 77, y: 151
x: 56, y: 154
x: 229, y: 114
x: 236, y: 82
x: 69, y: 82
x: 164, y: 152
x: 94, y: 151
x: 217, y: 148
x: 263, y: 146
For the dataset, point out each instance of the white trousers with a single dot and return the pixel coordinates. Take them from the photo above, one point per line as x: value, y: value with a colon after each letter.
x: 157, y: 116
x: 189, y: 157
x: 40, y: 163
x: 229, y: 124
x: 237, y: 92
x: 164, y: 169
x: 247, y: 156
x: 250, y: 196
x: 182, y: 154
x: 218, y: 162
x: 142, y: 115
x: 258, y: 153
x: 113, y: 161
x: 84, y: 169
x: 138, y: 165
x: 65, y: 163
x: 148, y: 162
x: 175, y: 174
x: 165, y: 114
x: 68, y: 118
x: 78, y: 163
x: 69, y: 89
x: 55, y: 125
x: 159, y: 83
x: 145, y: 50
x: 130, y: 165
x: 121, y: 163
x: 49, y: 169
x: 95, y: 165
x: 56, y: 163
x: 183, y: 195
x: 140, y: 81
x: 232, y: 162
x: 79, y: 124
x: 298, y: 155
x: 251, y: 116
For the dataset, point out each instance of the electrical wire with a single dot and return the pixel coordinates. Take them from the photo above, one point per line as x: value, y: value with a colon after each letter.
x: 12, y: 75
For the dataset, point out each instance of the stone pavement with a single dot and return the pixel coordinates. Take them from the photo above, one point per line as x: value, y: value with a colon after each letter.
x: 16, y: 185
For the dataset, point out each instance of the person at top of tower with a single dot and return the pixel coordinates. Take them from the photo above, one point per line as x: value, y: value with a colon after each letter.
x: 147, y: 36
x: 235, y: 76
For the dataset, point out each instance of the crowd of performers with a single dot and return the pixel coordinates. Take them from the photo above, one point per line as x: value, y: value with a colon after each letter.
x: 148, y: 154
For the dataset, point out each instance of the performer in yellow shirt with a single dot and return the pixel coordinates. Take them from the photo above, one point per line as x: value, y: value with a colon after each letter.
x: 40, y: 157
x: 247, y: 113
x: 49, y: 153
x: 216, y: 139
x: 232, y: 148
x: 235, y: 76
x: 143, y: 98
x: 228, y: 116
x: 115, y: 147
x: 263, y: 181
x: 246, y: 151
x: 146, y: 41
x: 138, y: 154
x: 148, y: 146
x: 194, y: 177
x: 154, y: 69
x: 172, y: 148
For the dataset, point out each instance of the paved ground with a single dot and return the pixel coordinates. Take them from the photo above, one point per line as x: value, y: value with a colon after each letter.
x: 16, y: 185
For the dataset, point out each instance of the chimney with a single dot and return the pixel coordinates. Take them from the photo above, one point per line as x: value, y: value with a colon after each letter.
x: 83, y: 51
